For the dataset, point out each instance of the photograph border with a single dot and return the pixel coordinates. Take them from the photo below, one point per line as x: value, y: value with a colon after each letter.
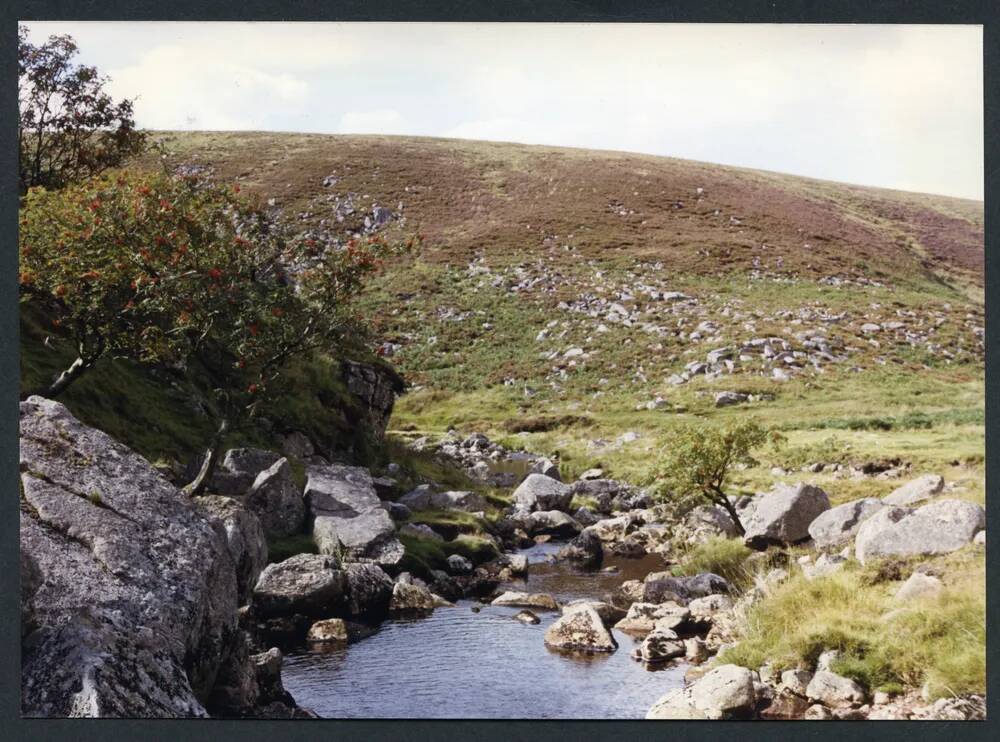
x: 982, y: 12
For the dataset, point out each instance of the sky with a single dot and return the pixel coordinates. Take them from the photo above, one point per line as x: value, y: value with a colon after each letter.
x: 894, y: 106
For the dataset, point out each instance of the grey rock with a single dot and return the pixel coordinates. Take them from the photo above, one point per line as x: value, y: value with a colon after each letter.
x: 834, y: 691
x: 244, y: 539
x: 305, y: 584
x: 783, y: 515
x: 547, y: 468
x: 238, y: 470
x: 939, y: 527
x: 297, y: 445
x: 915, y: 491
x: 552, y: 522
x: 369, y: 590
x: 410, y: 598
x: 839, y: 524
x: 277, y: 501
x: 727, y: 692
x: 660, y: 645
x: 644, y: 617
x: 538, y: 601
x: 796, y: 681
x: 136, y: 614
x: 375, y: 387
x: 539, y: 492
x: 459, y: 565
x: 585, y: 549
x: 917, y: 586
x: 348, y: 515
x: 580, y: 630
x: 421, y: 530
x: 726, y: 399
x: 527, y: 617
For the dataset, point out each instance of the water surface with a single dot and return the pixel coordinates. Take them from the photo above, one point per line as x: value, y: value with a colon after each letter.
x: 461, y: 664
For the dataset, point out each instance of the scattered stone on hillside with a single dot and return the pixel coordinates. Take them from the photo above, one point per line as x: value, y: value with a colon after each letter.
x: 826, y: 564
x: 328, y: 631
x: 839, y: 524
x: 347, y: 515
x: 277, y: 501
x: 546, y: 468
x: 238, y: 470
x: 939, y: 527
x: 834, y: 691
x: 580, y: 630
x: 918, y: 586
x: 726, y: 399
x: 916, y: 491
x: 591, y: 474
x: 783, y: 515
x: 136, y: 613
x: 726, y: 692
x: 244, y: 538
x: 539, y: 492
x: 538, y: 601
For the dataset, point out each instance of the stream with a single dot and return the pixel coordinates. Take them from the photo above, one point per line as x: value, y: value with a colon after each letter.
x: 460, y: 664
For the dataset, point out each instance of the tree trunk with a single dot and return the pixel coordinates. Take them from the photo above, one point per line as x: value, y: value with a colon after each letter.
x: 67, y: 377
x: 721, y: 499
x: 197, y: 486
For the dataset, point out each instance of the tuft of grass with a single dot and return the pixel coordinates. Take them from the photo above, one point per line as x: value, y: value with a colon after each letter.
x: 726, y: 557
x: 940, y: 642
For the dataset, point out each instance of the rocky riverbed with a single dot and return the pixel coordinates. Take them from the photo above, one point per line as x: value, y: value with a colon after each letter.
x: 138, y: 601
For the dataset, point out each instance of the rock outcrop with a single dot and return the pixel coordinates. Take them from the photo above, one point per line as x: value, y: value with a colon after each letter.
x: 244, y: 538
x: 136, y: 613
x: 375, y: 387
x: 348, y: 516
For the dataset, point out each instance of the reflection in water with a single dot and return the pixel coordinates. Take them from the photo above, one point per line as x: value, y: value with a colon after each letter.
x: 460, y: 664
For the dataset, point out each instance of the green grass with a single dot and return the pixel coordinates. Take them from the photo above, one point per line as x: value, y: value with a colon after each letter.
x: 285, y: 548
x: 938, y: 641
x: 722, y: 556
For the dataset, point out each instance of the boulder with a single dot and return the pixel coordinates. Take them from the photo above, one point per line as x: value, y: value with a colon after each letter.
x: 608, y: 613
x: 397, y: 511
x: 644, y: 617
x: 539, y: 492
x: 31, y: 580
x: 660, y: 587
x: 238, y: 470
x: 277, y: 501
x: 244, y: 538
x: 916, y: 490
x: 586, y: 550
x: 553, y: 523
x: 660, y: 645
x: 518, y: 564
x: 539, y: 601
x: 727, y: 692
x: 375, y: 386
x: 917, y: 586
x: 410, y: 598
x: 796, y: 681
x: 585, y: 517
x: 834, y: 691
x: 137, y: 612
x: 839, y: 524
x: 328, y: 631
x: 527, y: 617
x: 305, y: 584
x: 939, y: 527
x: 704, y: 610
x: 423, y: 497
x: 459, y: 565
x: 580, y: 630
x: 547, y: 468
x: 297, y: 445
x: 348, y: 515
x: 783, y: 515
x: 369, y: 591
x: 705, y: 522
x: 825, y: 565
x: 725, y: 399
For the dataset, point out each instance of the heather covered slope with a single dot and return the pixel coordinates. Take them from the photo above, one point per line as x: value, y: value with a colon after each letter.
x: 473, y: 198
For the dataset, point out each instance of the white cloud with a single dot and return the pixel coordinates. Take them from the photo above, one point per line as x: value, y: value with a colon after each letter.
x: 899, y: 106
